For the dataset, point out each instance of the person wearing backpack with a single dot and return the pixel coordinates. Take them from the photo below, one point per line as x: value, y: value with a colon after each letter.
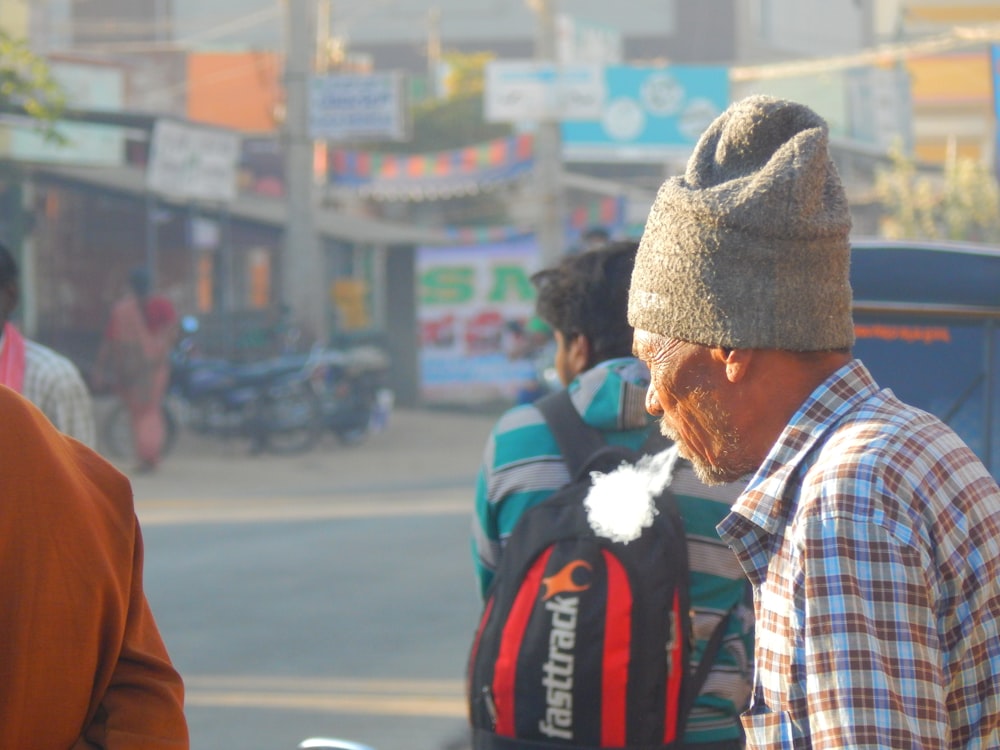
x: 584, y: 299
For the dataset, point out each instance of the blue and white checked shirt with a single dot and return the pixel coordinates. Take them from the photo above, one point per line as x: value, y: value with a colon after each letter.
x: 871, y: 534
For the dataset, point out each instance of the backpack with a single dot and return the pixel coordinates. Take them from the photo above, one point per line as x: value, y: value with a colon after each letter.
x: 585, y: 642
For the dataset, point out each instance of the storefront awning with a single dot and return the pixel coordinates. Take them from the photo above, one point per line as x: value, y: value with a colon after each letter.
x: 330, y: 223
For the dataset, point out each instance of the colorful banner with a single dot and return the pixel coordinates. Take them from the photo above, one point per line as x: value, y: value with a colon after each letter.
x: 436, y: 175
x: 609, y: 213
x: 471, y: 301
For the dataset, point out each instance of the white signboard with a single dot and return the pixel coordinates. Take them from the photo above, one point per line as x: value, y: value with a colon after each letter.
x: 87, y: 86
x: 357, y: 107
x: 191, y: 162
x: 528, y: 90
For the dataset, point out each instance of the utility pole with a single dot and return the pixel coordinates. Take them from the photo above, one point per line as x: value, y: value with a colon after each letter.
x: 303, y: 271
x: 551, y: 231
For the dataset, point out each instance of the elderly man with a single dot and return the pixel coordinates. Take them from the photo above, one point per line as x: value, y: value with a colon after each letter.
x: 870, y: 532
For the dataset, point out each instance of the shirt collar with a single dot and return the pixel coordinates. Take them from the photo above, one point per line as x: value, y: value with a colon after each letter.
x: 767, y: 500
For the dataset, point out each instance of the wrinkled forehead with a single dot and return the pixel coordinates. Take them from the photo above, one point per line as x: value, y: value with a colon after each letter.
x: 652, y: 343
x: 650, y: 346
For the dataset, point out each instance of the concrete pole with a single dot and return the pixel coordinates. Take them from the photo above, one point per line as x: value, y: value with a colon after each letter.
x: 303, y: 270
x: 324, y: 17
x: 548, y: 150
x: 433, y: 46
x: 29, y: 265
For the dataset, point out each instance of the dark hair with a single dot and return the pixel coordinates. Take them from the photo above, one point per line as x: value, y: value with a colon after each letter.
x: 8, y: 266
x: 597, y: 233
x: 138, y: 279
x: 588, y: 294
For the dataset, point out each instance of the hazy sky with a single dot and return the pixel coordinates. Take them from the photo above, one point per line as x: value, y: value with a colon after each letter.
x: 259, y: 23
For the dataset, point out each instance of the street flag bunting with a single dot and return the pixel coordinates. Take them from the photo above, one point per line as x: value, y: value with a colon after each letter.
x: 435, y: 175
x: 606, y: 212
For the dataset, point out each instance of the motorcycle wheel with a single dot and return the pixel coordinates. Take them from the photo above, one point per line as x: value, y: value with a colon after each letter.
x: 116, y: 433
x: 292, y: 423
x: 352, y: 435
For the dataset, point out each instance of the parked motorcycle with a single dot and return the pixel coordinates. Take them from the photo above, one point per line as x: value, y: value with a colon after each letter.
x: 351, y: 386
x: 271, y: 403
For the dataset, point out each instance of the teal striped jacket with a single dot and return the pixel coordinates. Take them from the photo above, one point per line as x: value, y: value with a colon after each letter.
x: 522, y: 466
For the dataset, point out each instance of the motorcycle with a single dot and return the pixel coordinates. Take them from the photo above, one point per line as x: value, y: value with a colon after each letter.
x: 352, y: 391
x: 272, y: 403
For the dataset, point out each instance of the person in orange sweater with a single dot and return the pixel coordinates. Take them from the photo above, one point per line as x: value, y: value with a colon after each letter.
x: 82, y: 664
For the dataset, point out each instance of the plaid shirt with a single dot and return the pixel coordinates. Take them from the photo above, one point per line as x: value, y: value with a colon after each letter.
x: 54, y: 385
x: 871, y: 534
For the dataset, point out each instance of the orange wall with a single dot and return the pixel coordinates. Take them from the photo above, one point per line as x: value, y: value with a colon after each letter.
x: 238, y: 90
x: 952, y: 93
x: 955, y: 89
x: 953, y: 12
x: 944, y: 79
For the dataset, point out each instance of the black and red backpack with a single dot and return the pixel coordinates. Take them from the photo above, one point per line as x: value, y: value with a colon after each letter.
x: 585, y: 642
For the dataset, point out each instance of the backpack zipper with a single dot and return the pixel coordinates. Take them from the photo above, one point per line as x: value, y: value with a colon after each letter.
x: 491, y: 706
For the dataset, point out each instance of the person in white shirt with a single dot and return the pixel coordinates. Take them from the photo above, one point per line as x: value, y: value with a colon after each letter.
x: 46, y: 378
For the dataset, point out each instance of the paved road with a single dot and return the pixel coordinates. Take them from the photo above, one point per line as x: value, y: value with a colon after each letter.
x: 325, y: 594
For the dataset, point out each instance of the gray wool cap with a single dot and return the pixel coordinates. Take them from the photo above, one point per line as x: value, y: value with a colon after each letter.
x: 749, y: 248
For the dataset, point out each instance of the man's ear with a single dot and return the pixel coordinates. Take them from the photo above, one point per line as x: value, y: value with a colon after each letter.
x: 736, y: 361
x: 578, y: 354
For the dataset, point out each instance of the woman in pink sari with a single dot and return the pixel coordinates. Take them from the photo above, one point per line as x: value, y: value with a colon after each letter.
x: 135, y: 357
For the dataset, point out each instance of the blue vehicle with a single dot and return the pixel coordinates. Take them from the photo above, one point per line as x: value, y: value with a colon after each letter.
x: 927, y: 319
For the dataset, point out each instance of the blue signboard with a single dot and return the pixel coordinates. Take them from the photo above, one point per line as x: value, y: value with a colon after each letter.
x: 649, y: 113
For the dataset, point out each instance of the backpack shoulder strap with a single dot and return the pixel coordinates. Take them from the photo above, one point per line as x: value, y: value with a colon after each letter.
x: 700, y: 674
x: 577, y: 440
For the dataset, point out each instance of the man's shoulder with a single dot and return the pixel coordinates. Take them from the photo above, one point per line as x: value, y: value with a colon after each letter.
x: 884, y: 433
x: 49, y: 374
x: 48, y: 360
x: 521, y: 432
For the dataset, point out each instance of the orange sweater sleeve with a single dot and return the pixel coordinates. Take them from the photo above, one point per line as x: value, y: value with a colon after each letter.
x: 143, y: 703
x: 83, y: 665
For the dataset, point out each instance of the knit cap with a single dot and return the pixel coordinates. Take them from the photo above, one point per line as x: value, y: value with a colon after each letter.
x: 749, y: 248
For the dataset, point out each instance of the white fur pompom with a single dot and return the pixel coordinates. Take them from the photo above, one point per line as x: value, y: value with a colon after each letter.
x: 620, y: 504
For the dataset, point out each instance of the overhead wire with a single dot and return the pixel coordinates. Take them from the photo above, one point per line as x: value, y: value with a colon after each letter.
x: 189, y: 41
x: 957, y: 38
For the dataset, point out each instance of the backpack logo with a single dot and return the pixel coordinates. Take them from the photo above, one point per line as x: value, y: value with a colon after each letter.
x: 563, y: 582
x: 558, y: 671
